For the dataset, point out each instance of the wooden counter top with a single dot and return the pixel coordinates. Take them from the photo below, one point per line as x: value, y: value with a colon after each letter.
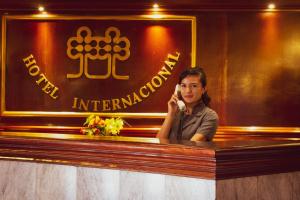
x: 210, y: 160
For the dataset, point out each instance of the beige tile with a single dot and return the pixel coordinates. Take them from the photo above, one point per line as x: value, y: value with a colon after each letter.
x: 97, y: 184
x: 236, y: 189
x: 55, y: 182
x: 17, y: 180
x: 275, y: 187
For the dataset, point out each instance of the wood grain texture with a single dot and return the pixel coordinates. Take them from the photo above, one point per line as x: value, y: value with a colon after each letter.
x: 216, y: 160
x: 275, y: 187
x: 100, y: 152
x: 296, y: 185
x: 266, y: 187
x: 256, y: 159
x: 223, y: 132
x: 235, y: 189
x: 252, y: 78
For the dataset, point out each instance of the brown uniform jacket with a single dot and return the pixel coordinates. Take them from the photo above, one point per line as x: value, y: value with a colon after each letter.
x: 202, y: 120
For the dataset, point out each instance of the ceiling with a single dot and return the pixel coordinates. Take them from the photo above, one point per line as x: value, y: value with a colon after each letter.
x: 176, y: 5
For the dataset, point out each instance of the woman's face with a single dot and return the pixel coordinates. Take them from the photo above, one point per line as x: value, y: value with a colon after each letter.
x: 191, y: 89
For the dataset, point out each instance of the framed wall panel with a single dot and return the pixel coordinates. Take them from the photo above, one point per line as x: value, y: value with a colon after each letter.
x: 76, y: 65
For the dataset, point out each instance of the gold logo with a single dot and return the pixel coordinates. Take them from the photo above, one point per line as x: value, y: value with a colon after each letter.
x: 111, y: 47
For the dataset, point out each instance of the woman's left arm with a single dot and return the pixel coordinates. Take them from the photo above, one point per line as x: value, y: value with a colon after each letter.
x: 198, y: 137
x: 208, y: 127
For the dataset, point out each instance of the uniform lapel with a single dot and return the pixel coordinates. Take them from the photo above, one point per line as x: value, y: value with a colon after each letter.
x: 192, y: 121
x: 197, y: 112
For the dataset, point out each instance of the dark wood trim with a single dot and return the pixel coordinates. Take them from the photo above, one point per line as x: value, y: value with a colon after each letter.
x: 247, y: 160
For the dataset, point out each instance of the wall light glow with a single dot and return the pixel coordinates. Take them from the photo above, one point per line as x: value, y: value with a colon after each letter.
x: 157, y: 38
x: 45, y: 44
x: 156, y: 16
x: 155, y: 12
x: 252, y: 128
x: 270, y: 35
x: 44, y: 15
x: 271, y: 6
x: 155, y: 7
x: 41, y: 9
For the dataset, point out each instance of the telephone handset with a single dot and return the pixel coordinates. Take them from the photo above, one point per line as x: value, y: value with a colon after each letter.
x: 180, y: 103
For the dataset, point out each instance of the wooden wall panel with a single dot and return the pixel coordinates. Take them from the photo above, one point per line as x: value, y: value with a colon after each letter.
x: 96, y: 64
x: 251, y: 58
x: 263, y: 69
x: 252, y: 61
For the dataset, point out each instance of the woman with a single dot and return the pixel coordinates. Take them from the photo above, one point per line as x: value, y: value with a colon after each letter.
x: 197, y: 122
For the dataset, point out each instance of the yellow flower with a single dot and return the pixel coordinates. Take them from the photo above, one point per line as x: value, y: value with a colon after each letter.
x: 96, y: 125
x: 91, y: 123
x: 102, y: 123
x: 97, y: 120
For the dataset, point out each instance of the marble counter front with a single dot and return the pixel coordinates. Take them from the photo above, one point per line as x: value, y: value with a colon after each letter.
x: 30, y: 181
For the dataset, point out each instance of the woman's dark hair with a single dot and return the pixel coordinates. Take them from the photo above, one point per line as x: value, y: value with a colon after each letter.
x: 198, y: 71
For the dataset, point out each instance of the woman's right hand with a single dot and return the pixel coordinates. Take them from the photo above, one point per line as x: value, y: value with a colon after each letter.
x: 166, y: 127
x: 172, y: 105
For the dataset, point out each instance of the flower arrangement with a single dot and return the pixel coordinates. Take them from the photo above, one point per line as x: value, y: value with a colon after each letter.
x: 94, y: 125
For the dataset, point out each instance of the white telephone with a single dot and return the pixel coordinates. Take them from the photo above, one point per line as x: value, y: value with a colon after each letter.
x: 180, y: 103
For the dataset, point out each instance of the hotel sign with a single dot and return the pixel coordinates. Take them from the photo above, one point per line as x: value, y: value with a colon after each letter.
x: 125, y: 66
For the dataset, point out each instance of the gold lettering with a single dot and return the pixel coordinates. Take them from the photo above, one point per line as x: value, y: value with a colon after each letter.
x: 142, y: 93
x: 83, y: 105
x: 42, y: 78
x: 115, y: 103
x: 75, y: 102
x: 150, y: 87
x: 32, y: 72
x: 170, y: 56
x: 163, y: 72
x: 121, y: 103
x: 155, y: 84
x: 105, y: 105
x: 47, y: 88
x: 29, y: 60
x: 95, y: 103
x: 53, y: 92
x: 136, y: 98
x: 170, y: 64
x: 125, y: 102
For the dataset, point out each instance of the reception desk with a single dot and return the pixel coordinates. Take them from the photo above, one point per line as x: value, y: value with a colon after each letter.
x: 41, y: 165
